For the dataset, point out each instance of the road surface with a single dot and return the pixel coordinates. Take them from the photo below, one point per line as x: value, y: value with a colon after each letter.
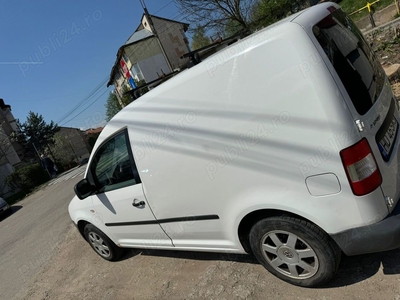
x: 33, y: 233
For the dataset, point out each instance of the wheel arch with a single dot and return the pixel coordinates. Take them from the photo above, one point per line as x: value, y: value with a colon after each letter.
x: 253, y: 217
x: 81, y: 227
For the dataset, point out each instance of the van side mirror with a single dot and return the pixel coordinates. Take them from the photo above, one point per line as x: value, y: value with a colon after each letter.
x: 84, y: 189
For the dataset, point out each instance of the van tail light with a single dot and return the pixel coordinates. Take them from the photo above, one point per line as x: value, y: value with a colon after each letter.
x: 361, y: 168
x: 332, y: 9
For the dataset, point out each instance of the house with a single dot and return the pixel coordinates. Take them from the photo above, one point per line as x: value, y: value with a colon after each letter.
x: 152, y: 51
x: 75, y: 143
x: 93, y: 130
x: 92, y: 134
x: 11, y: 152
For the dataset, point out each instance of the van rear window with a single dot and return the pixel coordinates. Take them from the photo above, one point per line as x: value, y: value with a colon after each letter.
x: 352, y: 58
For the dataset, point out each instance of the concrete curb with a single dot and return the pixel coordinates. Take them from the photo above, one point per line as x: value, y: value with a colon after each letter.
x: 383, y: 26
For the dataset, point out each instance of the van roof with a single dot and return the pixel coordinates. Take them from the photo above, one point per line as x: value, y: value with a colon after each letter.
x: 305, y: 18
x: 311, y: 16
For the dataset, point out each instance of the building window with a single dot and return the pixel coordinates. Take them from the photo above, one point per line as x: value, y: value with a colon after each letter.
x: 136, y: 72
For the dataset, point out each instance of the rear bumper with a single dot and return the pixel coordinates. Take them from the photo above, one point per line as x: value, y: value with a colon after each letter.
x: 378, y: 237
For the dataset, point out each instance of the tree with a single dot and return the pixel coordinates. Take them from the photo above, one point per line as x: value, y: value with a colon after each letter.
x: 112, y: 106
x: 63, y: 151
x: 27, y: 177
x: 232, y: 28
x: 214, y: 14
x: 35, y: 132
x: 267, y: 12
x: 92, y: 140
x: 200, y: 39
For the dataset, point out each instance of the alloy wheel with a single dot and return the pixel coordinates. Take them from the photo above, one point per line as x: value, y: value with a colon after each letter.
x: 289, y: 255
x: 99, y: 245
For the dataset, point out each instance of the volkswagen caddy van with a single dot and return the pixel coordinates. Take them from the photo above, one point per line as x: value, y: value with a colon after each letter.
x: 285, y: 145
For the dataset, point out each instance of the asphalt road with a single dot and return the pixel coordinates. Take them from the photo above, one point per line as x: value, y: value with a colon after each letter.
x: 32, y: 234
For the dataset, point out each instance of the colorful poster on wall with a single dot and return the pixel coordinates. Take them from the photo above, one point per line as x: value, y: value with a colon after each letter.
x: 125, y: 69
x: 132, y: 83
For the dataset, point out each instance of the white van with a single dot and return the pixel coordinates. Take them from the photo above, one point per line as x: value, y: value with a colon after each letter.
x: 284, y: 145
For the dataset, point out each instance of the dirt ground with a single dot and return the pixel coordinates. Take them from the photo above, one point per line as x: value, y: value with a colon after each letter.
x: 76, y: 272
x: 386, y: 45
x: 396, y: 89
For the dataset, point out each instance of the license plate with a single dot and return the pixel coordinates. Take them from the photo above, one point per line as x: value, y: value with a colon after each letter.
x: 386, y: 143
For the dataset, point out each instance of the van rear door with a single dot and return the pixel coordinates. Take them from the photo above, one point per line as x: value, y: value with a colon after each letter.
x: 365, y: 85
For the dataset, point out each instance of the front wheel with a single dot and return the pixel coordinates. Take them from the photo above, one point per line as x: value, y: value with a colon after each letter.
x: 101, y: 244
x: 294, y: 250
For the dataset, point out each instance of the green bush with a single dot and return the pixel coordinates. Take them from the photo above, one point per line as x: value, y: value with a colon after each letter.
x: 27, y: 178
x: 16, y: 197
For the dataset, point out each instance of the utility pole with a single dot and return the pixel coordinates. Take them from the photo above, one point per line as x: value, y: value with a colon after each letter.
x: 72, y: 148
x: 153, y: 29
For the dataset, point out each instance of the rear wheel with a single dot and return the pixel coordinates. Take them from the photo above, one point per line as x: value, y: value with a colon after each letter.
x: 295, y: 250
x: 101, y: 244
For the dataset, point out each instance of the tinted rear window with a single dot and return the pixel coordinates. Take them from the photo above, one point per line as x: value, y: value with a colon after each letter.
x: 352, y: 58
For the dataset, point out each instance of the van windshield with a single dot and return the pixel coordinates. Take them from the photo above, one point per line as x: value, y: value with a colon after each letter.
x: 352, y: 58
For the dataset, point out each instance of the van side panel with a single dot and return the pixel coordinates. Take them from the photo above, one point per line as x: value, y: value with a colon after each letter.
x: 243, y: 131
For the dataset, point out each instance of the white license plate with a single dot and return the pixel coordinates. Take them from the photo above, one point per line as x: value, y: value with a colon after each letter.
x: 386, y: 143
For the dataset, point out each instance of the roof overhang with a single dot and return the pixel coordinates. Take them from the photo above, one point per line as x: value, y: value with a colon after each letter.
x: 119, y: 56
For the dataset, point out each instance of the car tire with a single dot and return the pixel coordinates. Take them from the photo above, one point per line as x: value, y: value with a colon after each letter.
x: 295, y: 250
x: 101, y: 244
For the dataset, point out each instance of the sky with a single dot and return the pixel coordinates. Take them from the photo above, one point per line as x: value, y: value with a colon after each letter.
x: 56, y: 54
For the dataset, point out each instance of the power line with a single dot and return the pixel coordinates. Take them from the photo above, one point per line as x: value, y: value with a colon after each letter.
x: 86, y: 107
x: 164, y: 6
x: 81, y: 103
x: 84, y: 100
x: 98, y: 87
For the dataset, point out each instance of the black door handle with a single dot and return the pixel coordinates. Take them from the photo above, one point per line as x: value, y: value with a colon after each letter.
x: 137, y: 203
